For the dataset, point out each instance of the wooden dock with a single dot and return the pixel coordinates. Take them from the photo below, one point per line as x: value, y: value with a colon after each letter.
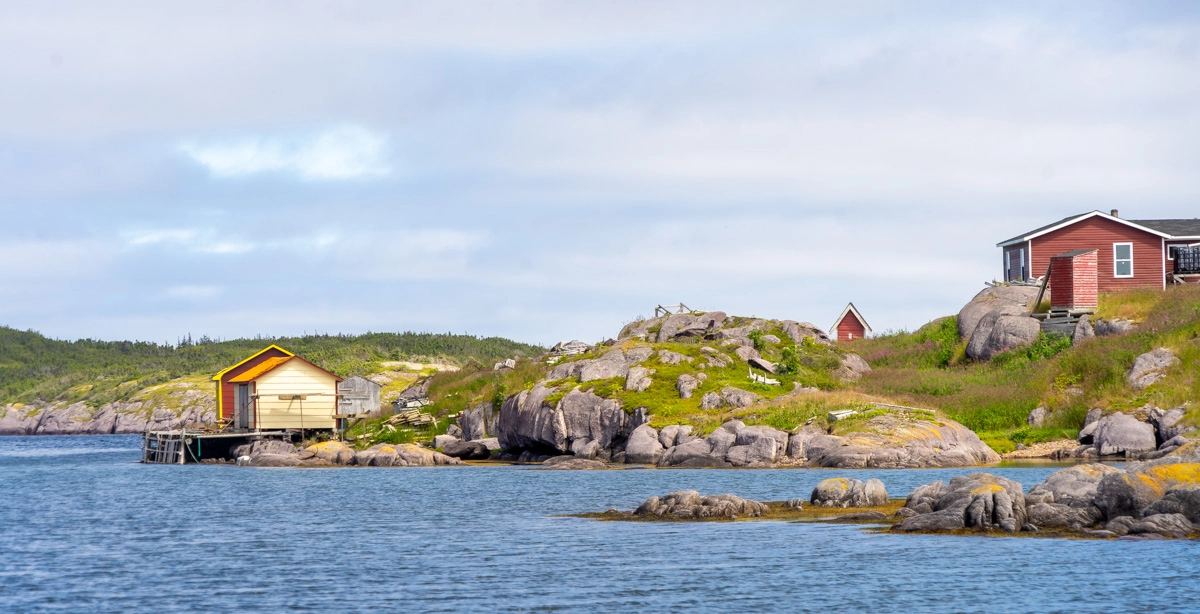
x: 178, y: 447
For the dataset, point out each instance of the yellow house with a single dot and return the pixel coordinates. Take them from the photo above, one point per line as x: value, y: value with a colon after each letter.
x: 288, y: 392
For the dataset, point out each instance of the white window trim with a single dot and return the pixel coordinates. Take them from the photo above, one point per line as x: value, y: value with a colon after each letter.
x: 1116, y: 260
x: 1007, y: 265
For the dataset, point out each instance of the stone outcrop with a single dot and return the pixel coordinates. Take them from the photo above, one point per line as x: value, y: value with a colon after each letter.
x: 467, y: 450
x: 477, y: 421
x: 1150, y: 368
x: 690, y: 504
x: 979, y: 500
x: 716, y: 325
x: 580, y: 422
x: 849, y: 492
x: 643, y: 446
x: 1006, y: 300
x: 896, y: 441
x: 159, y: 408
x: 1108, y: 328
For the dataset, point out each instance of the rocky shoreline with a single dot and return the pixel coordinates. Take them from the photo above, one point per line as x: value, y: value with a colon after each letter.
x: 1155, y: 499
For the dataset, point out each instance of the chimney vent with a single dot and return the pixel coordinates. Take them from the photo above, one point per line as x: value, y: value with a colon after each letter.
x: 1114, y: 213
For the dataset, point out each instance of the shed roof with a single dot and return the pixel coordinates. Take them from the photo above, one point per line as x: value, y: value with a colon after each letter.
x: 850, y: 309
x: 271, y: 364
x: 1067, y: 221
x: 222, y: 372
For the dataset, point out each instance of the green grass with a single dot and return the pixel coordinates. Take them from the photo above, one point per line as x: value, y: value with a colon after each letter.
x: 994, y: 398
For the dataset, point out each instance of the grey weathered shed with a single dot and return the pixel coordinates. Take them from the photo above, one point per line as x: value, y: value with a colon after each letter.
x: 358, y: 395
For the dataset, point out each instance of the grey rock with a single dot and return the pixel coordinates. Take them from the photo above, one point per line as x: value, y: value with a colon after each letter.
x: 1094, y: 414
x: 1060, y: 515
x: 1074, y: 486
x: 1120, y: 525
x: 1149, y: 368
x: 643, y: 447
x: 761, y: 451
x: 527, y: 423
x: 454, y: 431
x: 274, y: 460
x: 491, y: 443
x: 477, y: 421
x: 736, y: 397
x: 689, y: 451
x: 638, y: 354
x: 1004, y: 332
x: 762, y: 363
x: 1184, y: 501
x: 1037, y: 417
x: 1108, y: 328
x: 442, y: 441
x: 611, y: 364
x: 1004, y: 299
x: 798, y: 441
x: 573, y: 463
x: 890, y: 441
x: 1163, y: 524
x: 672, y: 358
x: 1122, y: 434
x: 721, y: 440
x: 978, y: 500
x: 686, y: 385
x: 1166, y: 423
x: 638, y: 379
x: 711, y: 400
x: 798, y: 331
x: 688, y: 504
x: 772, y: 339
x: 667, y: 435
x: 746, y: 352
x: 467, y: 450
x: 1083, y: 330
x: 849, y: 492
x: 853, y: 368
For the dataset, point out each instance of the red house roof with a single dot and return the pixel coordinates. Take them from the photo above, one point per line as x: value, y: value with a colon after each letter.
x: 1143, y: 225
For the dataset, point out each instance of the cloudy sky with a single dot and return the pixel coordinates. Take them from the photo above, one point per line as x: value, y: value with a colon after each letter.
x: 550, y: 170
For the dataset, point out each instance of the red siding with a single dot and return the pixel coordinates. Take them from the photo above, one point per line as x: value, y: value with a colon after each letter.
x: 1073, y: 281
x: 1100, y: 234
x: 850, y: 328
x: 227, y: 388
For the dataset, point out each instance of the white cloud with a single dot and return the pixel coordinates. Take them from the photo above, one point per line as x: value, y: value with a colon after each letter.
x: 193, y: 292
x: 344, y: 152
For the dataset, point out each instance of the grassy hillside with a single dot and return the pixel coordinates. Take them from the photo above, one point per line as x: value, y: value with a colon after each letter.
x: 927, y: 368
x: 36, y: 368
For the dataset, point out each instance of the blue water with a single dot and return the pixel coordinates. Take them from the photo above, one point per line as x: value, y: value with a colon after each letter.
x: 84, y: 528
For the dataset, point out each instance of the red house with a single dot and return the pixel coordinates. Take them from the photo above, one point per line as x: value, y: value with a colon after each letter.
x: 850, y: 325
x: 1129, y: 253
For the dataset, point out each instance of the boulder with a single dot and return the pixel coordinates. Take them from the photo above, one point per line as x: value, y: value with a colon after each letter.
x: 467, y: 450
x: 668, y: 357
x: 442, y: 441
x: 711, y: 400
x: 335, y: 452
x: 274, y: 460
x: 694, y: 453
x: 477, y: 421
x: 1166, y: 423
x: 686, y: 385
x: 746, y: 352
x: 1122, y: 434
x: 853, y: 368
x: 1074, y: 486
x: 900, y: 441
x: 643, y: 447
x: 724, y: 438
x: 1176, y: 525
x: 1083, y: 330
x: 1004, y: 332
x: 1184, y: 501
x: 609, y: 365
x: 798, y: 331
x: 409, y: 455
x: 1130, y: 492
x: 1093, y: 415
x: 1037, y: 417
x: 690, y: 504
x: 763, y: 364
x: 1149, y: 368
x: 849, y: 492
x: 573, y: 463
x: 759, y: 452
x: 491, y: 443
x: 1060, y: 515
x: 638, y: 379
x: 978, y: 500
x: 1004, y: 299
x: 736, y: 397
x: 1108, y: 328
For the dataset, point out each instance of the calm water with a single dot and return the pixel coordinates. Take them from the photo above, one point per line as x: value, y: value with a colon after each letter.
x: 85, y: 528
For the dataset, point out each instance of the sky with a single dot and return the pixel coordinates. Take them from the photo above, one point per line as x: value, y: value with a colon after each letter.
x: 548, y: 171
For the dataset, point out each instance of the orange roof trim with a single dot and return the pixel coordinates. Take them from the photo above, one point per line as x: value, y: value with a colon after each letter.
x: 217, y: 377
x: 260, y: 369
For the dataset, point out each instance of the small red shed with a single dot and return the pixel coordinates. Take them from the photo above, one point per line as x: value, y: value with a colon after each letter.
x: 1074, y: 282
x: 850, y: 325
